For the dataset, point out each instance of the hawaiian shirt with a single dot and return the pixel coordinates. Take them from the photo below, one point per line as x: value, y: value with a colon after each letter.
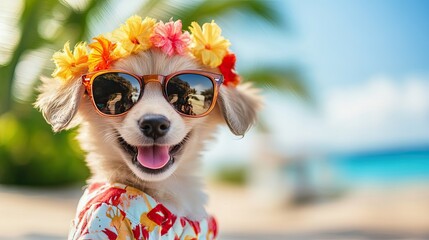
x: 116, y: 211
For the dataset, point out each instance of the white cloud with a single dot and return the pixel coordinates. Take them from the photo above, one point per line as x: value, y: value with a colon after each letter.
x: 381, y: 112
x: 377, y: 114
x: 377, y: 101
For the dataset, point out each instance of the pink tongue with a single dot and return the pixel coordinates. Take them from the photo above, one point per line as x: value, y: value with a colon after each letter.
x: 153, y: 157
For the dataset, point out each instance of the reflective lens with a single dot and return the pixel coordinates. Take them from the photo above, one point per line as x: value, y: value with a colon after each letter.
x: 115, y: 93
x: 190, y: 94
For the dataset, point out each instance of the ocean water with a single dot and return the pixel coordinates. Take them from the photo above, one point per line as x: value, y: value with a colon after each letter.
x: 382, y: 167
x: 322, y: 176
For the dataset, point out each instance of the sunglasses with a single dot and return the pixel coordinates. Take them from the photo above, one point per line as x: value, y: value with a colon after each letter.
x: 191, y: 93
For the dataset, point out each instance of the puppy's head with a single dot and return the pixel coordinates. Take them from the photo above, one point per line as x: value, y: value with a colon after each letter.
x: 152, y: 140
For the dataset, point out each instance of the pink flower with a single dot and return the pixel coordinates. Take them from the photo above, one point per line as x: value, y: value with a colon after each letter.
x: 170, y: 38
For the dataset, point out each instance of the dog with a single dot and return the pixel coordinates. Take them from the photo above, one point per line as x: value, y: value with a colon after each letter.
x: 146, y: 157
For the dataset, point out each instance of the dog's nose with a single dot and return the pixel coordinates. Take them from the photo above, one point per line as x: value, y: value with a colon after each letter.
x: 154, y: 125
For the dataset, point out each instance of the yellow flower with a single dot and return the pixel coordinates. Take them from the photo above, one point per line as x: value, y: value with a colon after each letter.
x: 103, y: 54
x: 134, y: 35
x: 70, y: 64
x: 207, y: 43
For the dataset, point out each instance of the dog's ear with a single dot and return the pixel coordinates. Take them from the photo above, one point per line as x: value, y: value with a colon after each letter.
x: 239, y: 106
x: 59, y: 101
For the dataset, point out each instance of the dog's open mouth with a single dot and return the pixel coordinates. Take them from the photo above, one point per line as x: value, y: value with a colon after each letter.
x: 153, y: 158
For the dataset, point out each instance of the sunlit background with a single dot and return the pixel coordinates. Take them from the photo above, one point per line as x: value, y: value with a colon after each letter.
x: 341, y: 150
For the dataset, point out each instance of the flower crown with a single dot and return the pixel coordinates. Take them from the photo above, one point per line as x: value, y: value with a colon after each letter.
x: 204, y: 43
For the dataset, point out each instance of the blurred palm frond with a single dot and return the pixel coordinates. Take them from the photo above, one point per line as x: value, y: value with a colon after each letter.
x: 34, y: 20
x: 286, y: 80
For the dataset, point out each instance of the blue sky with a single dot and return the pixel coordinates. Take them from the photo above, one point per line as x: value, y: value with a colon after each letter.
x: 366, y: 62
x: 340, y: 42
x: 348, y: 41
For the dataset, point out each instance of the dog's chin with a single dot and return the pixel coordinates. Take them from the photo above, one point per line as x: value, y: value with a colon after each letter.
x: 162, y: 162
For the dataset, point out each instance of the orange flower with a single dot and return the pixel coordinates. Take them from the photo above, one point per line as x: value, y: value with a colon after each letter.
x: 70, y: 64
x: 103, y: 54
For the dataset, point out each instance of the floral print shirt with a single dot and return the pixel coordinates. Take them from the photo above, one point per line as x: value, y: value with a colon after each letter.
x: 116, y: 211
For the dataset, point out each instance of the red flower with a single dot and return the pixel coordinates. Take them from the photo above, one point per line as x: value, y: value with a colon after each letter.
x: 213, y: 226
x: 227, y: 68
x: 162, y: 217
x: 111, y: 235
x: 140, y: 232
x: 196, y: 226
x: 183, y: 221
x: 110, y: 196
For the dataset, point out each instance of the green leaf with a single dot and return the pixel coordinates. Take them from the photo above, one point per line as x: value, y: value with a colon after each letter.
x: 208, y: 10
x: 29, y: 39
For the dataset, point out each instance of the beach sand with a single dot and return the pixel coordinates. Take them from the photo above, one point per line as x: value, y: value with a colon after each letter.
x: 395, y: 213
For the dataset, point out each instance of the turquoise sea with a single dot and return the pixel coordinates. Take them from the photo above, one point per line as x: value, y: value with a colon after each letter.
x: 382, y: 168
x: 398, y: 166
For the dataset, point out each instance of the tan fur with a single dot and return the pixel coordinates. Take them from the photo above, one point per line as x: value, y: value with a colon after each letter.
x: 180, y: 187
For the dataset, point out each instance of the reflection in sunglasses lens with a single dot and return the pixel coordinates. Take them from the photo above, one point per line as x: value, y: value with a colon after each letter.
x: 190, y: 94
x: 115, y: 93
